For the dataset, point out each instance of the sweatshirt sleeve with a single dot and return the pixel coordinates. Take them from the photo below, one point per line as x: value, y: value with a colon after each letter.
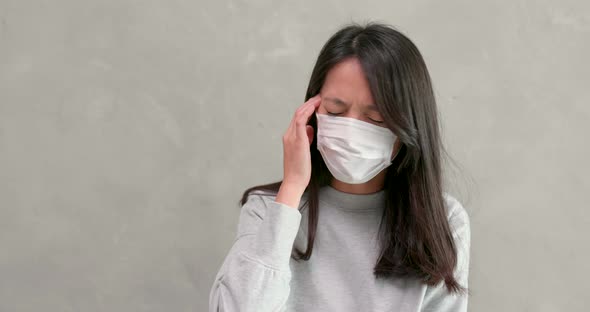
x: 255, y: 274
x: 437, y: 297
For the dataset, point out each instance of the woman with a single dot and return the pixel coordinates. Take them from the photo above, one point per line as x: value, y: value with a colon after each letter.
x: 362, y: 189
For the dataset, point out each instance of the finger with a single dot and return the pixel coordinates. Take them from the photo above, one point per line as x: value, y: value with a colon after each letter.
x: 303, y: 119
x: 303, y: 111
x: 315, y: 101
x: 291, y: 129
x: 310, y: 102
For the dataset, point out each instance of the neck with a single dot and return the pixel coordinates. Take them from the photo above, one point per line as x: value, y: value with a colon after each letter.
x: 376, y: 184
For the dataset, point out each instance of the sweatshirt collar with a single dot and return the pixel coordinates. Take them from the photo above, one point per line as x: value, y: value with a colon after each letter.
x: 352, y: 202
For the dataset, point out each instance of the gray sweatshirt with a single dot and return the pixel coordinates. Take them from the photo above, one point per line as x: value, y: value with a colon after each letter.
x: 259, y: 275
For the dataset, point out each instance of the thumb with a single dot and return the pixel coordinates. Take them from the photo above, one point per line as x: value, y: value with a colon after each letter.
x: 309, y: 130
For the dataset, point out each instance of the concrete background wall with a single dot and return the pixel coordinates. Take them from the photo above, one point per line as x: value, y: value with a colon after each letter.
x: 129, y: 129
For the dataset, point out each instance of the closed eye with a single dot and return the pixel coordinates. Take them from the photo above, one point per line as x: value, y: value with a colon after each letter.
x: 371, y: 119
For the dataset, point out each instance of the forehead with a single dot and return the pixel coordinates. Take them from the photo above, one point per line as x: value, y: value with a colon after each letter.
x: 347, y: 81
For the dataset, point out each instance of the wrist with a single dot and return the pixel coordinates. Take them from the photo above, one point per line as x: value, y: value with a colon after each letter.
x: 290, y: 194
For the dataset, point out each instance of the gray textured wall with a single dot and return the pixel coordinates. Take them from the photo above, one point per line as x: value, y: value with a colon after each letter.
x: 129, y: 129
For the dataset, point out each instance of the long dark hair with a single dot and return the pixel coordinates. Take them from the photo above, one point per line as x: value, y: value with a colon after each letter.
x: 414, y: 231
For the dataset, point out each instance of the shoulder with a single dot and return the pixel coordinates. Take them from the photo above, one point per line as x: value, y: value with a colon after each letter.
x: 261, y: 195
x: 259, y: 205
x: 456, y: 213
x: 459, y: 223
x: 258, y: 200
x: 253, y: 210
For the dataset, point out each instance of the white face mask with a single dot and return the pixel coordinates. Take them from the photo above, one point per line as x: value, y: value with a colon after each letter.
x: 354, y: 151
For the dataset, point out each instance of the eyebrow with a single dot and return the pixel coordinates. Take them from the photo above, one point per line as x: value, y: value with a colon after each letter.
x: 340, y: 102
